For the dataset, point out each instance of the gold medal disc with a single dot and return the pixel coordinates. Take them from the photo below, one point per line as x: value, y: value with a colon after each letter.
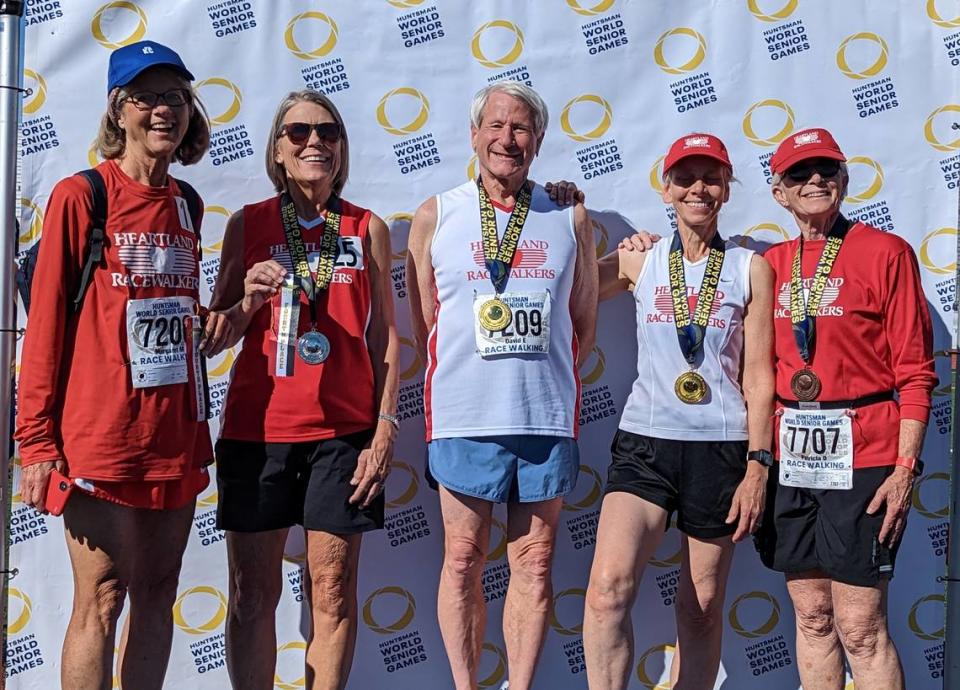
x: 805, y: 385
x: 690, y: 387
x: 495, y: 315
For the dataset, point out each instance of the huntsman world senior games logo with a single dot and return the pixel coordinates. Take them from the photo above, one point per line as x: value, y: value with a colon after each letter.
x: 766, y: 123
x: 229, y: 139
x: 118, y: 24
x: 863, y: 56
x: 37, y: 131
x: 681, y: 51
x: 390, y: 611
x: 312, y: 37
x: 200, y: 611
x: 22, y: 651
x: 498, y: 45
x: 586, y: 119
x: 403, y: 112
x: 659, y: 656
x: 602, y: 32
x: 866, y: 182
x: 925, y: 620
x: 786, y: 38
x: 755, y: 616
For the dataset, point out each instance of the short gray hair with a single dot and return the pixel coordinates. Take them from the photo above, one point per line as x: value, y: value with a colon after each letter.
x: 517, y: 89
x: 275, y: 171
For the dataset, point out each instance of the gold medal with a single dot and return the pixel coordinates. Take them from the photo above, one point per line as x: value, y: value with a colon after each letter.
x: 495, y: 315
x: 805, y: 385
x: 690, y: 387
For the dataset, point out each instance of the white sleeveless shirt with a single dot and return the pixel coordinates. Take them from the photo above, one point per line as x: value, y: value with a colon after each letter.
x: 502, y: 392
x: 653, y: 409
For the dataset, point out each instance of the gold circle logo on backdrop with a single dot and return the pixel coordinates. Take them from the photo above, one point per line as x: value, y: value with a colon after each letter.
x: 405, y: 4
x: 117, y: 8
x: 333, y: 33
x: 209, y: 500
x: 35, y: 226
x: 589, y: 10
x: 764, y: 628
x: 656, y: 175
x: 692, y: 63
x: 594, y: 366
x: 601, y: 237
x: 939, y: 19
x: 499, y: 549
x: 595, y: 132
x: 299, y: 647
x: 774, y: 16
x: 644, y: 676
x: 772, y: 228
x: 927, y: 511
x: 593, y: 494
x: 413, y: 485
x: 869, y: 71
x: 561, y: 628
x: 93, y: 155
x: 499, y: 672
x: 940, y: 259
x: 875, y: 185
x: 214, y: 247
x: 931, y: 136
x: 512, y: 53
x: 409, y: 353
x: 913, y: 618
x: 210, y: 624
x: 403, y: 93
x: 35, y: 100
x: 397, y: 219
x: 401, y: 622
x: 223, y: 367
x: 21, y: 619
x: 472, y: 167
x: 213, y: 85
x: 762, y: 107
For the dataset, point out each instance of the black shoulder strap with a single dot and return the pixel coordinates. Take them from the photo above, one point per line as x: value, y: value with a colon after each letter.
x: 193, y: 207
x: 97, y: 234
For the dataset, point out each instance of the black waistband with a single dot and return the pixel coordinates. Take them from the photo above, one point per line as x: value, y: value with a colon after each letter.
x: 862, y: 401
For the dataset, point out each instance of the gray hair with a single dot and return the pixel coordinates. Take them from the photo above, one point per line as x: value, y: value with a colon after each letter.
x: 516, y: 89
x: 777, y: 178
x: 276, y: 171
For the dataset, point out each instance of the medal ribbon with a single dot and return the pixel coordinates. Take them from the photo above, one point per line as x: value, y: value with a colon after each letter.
x: 329, y: 250
x: 498, y: 255
x: 803, y: 316
x: 690, y: 332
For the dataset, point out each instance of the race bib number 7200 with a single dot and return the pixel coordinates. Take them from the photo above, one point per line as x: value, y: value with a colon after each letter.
x: 157, y: 334
x: 816, y: 449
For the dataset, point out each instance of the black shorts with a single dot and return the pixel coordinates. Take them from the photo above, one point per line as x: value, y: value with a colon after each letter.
x: 827, y: 530
x: 265, y: 486
x: 695, y: 479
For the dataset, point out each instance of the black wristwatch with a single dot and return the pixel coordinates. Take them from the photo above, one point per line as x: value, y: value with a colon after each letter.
x: 764, y: 457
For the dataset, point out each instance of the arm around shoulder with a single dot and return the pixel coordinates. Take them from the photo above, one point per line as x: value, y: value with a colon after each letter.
x: 586, y: 283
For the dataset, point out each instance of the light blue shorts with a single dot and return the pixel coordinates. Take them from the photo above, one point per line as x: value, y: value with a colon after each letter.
x: 518, y: 468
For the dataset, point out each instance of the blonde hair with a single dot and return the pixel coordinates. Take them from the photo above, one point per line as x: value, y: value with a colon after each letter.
x: 112, y: 139
x: 275, y: 170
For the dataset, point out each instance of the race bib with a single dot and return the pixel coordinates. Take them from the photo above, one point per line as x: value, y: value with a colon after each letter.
x: 157, y: 333
x: 529, y: 329
x: 816, y: 449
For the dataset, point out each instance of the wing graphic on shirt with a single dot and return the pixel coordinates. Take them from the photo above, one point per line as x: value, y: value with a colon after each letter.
x: 144, y: 260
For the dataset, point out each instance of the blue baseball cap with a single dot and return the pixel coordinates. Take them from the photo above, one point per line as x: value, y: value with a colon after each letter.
x: 129, y: 61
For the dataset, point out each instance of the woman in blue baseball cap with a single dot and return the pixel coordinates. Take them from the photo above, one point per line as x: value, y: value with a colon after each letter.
x: 111, y: 387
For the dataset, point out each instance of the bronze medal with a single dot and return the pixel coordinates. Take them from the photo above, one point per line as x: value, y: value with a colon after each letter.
x: 495, y: 315
x: 690, y: 387
x: 805, y: 385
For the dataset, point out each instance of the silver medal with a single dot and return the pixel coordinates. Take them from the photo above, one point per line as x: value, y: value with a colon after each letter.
x: 313, y: 347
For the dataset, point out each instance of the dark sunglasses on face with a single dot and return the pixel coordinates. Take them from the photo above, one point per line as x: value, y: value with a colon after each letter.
x: 299, y: 132
x: 146, y: 100
x: 804, y: 171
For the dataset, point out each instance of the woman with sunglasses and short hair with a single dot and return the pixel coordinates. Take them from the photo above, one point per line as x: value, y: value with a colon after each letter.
x: 308, y: 424
x: 852, y: 328
x: 109, y: 391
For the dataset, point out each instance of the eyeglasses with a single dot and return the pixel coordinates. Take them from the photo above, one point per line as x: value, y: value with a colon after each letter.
x: 804, y: 171
x: 299, y: 132
x: 147, y: 100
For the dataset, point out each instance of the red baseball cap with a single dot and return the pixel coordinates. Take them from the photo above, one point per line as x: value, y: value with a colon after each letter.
x: 807, y: 143
x: 696, y: 144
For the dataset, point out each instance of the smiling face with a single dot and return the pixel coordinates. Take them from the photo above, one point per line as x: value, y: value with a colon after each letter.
x: 697, y: 188
x: 314, y: 162
x: 817, y: 196
x: 158, y: 131
x: 506, y: 141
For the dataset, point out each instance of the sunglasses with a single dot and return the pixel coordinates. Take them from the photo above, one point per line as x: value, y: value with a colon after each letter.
x: 804, y: 171
x: 299, y: 132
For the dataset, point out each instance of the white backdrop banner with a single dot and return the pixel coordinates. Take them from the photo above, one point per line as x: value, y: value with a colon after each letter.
x: 622, y: 78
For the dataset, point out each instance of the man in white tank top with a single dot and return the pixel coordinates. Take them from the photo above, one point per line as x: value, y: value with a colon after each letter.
x: 503, y: 296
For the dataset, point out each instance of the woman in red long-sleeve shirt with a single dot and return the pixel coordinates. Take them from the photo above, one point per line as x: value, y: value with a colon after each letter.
x: 112, y: 394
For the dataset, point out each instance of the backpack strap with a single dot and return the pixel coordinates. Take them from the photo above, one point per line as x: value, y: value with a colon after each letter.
x: 95, y: 240
x: 194, y: 207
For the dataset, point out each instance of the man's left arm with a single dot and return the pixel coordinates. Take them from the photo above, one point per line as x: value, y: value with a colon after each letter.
x: 583, y: 298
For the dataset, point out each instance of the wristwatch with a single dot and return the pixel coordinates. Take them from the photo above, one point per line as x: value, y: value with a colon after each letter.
x: 764, y: 457
x: 913, y: 464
